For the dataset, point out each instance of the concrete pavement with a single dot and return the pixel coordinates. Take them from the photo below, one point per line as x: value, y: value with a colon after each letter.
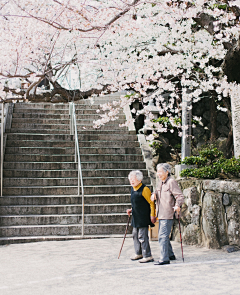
x: 91, y: 267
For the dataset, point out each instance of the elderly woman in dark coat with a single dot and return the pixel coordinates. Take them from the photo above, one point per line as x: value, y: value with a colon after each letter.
x: 143, y: 215
x: 169, y: 199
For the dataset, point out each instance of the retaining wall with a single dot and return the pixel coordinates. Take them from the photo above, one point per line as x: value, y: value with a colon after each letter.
x: 210, y: 214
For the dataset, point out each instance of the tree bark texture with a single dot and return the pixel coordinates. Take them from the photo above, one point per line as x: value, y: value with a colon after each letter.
x: 213, y: 118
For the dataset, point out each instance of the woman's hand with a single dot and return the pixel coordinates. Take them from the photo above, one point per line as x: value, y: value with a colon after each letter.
x: 153, y: 219
x: 153, y: 197
x: 177, y: 209
x: 129, y: 211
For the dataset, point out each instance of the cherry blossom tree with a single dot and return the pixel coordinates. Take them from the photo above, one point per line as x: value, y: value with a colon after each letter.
x: 183, y: 49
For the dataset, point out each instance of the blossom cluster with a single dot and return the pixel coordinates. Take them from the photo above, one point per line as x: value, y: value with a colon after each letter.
x: 159, y: 49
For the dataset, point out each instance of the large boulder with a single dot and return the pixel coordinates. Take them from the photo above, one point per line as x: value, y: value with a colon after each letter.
x: 190, y: 218
x: 223, y: 130
x: 191, y: 196
x: 214, y: 224
x: 192, y: 235
x: 233, y: 221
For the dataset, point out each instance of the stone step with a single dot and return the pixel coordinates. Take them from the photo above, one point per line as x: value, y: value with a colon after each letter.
x: 40, y: 150
x: 45, y: 105
x: 39, y: 143
x: 66, y: 181
x: 84, y: 128
x: 71, y: 150
x: 62, y: 209
x: 31, y: 239
x: 64, y: 190
x: 40, y: 127
x: 17, y: 173
x: 82, y: 118
x: 41, y: 106
x: 96, y: 116
x: 109, y: 150
x: 94, y: 144
x: 62, y: 230
x: 64, y: 114
x: 88, y: 132
x: 18, y: 121
x: 64, y: 200
x: 109, y: 144
x: 29, y: 220
x: 109, y: 137
x: 40, y: 137
x: 38, y: 158
x: 61, y: 219
x: 47, y: 127
x: 70, y: 158
x: 22, y: 109
x: 67, y: 137
x: 68, y: 173
x: 69, y: 165
x: 43, y: 116
x: 121, y: 131
x: 39, y: 131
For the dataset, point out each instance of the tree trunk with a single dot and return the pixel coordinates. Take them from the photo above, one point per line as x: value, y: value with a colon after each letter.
x: 213, y: 118
x: 229, y: 144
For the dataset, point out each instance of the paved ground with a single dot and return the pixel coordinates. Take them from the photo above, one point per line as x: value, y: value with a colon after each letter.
x: 92, y: 267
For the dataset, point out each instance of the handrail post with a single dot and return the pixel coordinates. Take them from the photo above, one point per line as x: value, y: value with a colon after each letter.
x: 2, y: 130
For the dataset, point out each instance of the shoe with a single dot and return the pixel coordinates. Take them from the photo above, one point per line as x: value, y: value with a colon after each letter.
x: 162, y: 262
x: 173, y: 257
x: 136, y: 257
x: 146, y: 259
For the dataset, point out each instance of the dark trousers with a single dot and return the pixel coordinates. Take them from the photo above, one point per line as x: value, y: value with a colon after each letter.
x: 141, y: 241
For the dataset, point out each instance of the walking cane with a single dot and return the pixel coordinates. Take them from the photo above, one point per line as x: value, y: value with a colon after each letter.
x: 124, y: 235
x: 180, y: 235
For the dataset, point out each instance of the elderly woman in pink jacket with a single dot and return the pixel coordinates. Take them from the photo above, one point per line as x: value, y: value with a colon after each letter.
x: 169, y: 199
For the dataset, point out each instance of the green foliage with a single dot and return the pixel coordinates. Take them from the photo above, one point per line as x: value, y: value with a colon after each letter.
x: 177, y: 146
x: 211, y: 164
x: 211, y: 153
x: 231, y: 166
x: 129, y: 95
x: 203, y: 172
x: 177, y: 121
x: 166, y: 122
x: 194, y: 160
x: 220, y: 6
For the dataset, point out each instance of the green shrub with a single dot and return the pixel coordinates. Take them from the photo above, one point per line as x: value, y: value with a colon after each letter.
x: 211, y: 154
x: 203, y: 172
x: 195, y: 160
x: 211, y: 164
x: 230, y: 166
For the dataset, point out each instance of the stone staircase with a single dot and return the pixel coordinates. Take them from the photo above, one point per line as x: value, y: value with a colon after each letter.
x: 40, y: 199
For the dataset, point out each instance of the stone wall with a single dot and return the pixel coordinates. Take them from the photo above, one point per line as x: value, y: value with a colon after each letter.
x: 210, y: 214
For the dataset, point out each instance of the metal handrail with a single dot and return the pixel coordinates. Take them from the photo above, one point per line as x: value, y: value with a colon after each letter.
x: 73, y: 131
x: 2, y: 132
x: 3, y: 127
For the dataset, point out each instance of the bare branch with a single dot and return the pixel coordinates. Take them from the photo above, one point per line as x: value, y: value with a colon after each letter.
x: 58, y: 26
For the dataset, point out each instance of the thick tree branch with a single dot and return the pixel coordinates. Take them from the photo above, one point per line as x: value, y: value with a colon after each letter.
x: 58, y: 26
x: 206, y: 22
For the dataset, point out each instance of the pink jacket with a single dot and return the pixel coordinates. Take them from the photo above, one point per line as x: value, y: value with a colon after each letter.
x: 168, y: 194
